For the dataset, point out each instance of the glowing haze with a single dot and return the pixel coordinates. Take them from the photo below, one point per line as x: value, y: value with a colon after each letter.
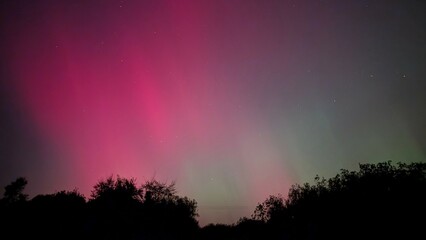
x: 233, y: 100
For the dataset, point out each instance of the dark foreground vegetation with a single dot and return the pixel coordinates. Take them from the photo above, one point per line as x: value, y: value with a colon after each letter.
x: 380, y: 201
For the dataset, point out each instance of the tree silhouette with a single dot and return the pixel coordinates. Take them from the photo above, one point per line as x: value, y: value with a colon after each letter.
x: 13, y: 191
x: 14, y: 209
x: 116, y: 188
x: 380, y: 200
x: 270, y: 209
x: 157, y: 192
x: 168, y: 215
x: 114, y: 208
x: 59, y: 215
x: 119, y: 209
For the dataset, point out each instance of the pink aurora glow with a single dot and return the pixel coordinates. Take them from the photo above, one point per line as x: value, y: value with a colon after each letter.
x: 142, y: 90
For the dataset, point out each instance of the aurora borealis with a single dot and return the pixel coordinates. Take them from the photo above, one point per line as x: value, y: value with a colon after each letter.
x: 234, y: 100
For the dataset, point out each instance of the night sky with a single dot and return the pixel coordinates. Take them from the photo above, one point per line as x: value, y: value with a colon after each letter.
x: 233, y: 100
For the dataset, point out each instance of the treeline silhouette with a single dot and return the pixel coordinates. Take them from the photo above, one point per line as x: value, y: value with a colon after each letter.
x: 379, y: 201
x: 117, y: 209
